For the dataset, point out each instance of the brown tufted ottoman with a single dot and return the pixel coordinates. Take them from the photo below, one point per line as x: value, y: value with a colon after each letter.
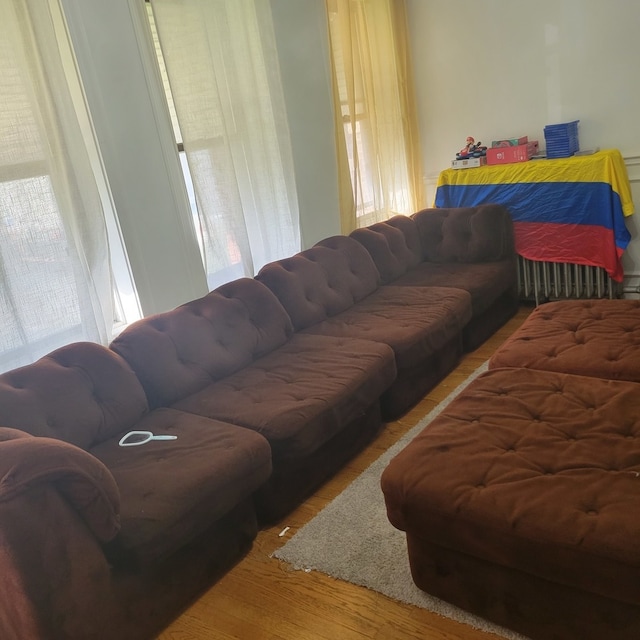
x: 521, y: 504
x: 598, y: 338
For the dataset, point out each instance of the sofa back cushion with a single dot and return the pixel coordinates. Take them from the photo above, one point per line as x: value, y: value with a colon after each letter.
x: 394, y: 246
x: 322, y: 281
x: 82, y: 393
x: 179, y: 352
x: 466, y: 234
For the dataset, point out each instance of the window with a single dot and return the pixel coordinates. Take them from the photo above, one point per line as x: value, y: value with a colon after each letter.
x: 56, y: 285
x: 375, y: 113
x: 176, y: 126
x: 222, y: 76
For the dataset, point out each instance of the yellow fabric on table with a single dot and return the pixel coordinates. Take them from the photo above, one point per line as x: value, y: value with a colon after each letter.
x: 602, y: 166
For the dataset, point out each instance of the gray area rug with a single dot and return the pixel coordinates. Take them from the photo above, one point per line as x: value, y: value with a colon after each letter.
x: 351, y: 539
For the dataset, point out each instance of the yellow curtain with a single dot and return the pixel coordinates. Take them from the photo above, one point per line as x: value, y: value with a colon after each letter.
x: 376, y: 121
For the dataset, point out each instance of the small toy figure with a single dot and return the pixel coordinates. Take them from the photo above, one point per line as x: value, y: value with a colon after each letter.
x: 471, y: 150
x: 468, y: 148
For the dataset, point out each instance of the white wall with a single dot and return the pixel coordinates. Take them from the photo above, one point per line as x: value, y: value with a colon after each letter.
x: 499, y: 69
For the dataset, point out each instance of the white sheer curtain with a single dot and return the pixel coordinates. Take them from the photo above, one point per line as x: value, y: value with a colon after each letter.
x: 223, y: 73
x: 55, y: 284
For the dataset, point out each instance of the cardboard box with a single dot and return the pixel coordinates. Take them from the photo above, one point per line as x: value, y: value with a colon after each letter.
x: 468, y: 163
x: 504, y: 155
x: 509, y: 142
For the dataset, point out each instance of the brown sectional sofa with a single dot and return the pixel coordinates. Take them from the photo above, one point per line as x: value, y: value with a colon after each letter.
x: 332, y: 290
x: 468, y: 248
x: 97, y: 539
x: 232, y: 355
x: 521, y: 500
x: 269, y: 385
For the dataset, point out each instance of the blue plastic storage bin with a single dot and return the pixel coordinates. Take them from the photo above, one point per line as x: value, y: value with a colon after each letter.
x: 562, y: 139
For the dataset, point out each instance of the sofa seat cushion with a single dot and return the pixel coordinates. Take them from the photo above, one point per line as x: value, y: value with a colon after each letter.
x: 174, y: 490
x: 485, y: 281
x: 532, y: 470
x: 302, y: 394
x: 598, y: 338
x: 416, y: 322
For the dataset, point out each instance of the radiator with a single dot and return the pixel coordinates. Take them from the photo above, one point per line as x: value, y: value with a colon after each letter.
x: 545, y: 281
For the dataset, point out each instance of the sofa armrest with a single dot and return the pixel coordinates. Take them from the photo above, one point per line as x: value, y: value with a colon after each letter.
x: 58, y: 505
x: 84, y: 481
x: 466, y: 234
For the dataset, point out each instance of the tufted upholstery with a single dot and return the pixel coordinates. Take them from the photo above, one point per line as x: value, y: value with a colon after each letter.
x: 81, y: 393
x: 332, y: 290
x: 181, y: 351
x: 486, y: 282
x: 301, y: 395
x: 175, y: 490
x: 393, y: 244
x: 588, y: 337
x: 532, y: 471
x: 86, y: 531
x: 413, y: 321
x: 232, y: 356
x: 268, y: 396
x: 465, y: 234
x: 87, y: 395
x: 322, y: 281
x: 466, y: 248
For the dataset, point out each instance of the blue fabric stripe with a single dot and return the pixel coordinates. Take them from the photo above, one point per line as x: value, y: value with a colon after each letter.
x: 592, y: 203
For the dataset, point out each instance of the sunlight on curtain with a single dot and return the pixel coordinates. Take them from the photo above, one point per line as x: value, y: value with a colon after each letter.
x: 55, y: 284
x: 376, y: 123
x: 223, y: 73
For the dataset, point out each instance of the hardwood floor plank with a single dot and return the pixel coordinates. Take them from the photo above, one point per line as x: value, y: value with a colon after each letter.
x: 262, y: 598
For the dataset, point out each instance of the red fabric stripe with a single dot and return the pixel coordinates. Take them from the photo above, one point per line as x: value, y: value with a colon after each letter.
x: 572, y: 243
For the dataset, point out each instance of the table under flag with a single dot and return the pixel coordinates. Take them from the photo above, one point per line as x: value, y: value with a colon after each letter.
x: 568, y: 210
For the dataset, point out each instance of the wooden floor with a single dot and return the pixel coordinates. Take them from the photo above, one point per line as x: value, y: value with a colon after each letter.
x: 264, y: 599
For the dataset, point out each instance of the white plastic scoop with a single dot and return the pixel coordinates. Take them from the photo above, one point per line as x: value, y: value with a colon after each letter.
x: 134, y: 438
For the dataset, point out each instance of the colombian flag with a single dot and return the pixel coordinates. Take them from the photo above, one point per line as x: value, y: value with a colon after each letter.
x: 564, y: 210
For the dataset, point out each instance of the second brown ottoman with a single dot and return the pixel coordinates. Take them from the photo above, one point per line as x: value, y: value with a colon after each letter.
x: 598, y: 338
x: 521, y: 504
